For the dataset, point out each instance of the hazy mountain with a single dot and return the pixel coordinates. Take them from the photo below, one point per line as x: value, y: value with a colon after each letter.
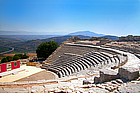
x: 28, y: 37
x: 24, y: 35
x: 30, y: 33
x: 84, y: 33
x: 17, y: 33
x: 87, y: 33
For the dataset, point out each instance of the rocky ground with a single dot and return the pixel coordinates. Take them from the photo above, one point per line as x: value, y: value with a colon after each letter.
x: 75, y: 85
x: 82, y: 82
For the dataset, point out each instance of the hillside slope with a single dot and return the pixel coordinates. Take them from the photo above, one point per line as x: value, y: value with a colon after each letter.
x: 22, y: 46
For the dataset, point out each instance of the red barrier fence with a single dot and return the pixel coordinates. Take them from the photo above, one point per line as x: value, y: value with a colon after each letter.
x: 15, y: 64
x: 3, y: 67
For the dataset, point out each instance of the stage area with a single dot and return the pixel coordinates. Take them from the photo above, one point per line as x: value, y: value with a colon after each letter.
x: 28, y: 73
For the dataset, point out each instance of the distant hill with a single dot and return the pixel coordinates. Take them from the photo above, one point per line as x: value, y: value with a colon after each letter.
x: 28, y: 37
x: 31, y: 45
x: 28, y: 33
x: 87, y: 33
x: 24, y: 35
x: 16, y: 33
x: 6, y: 42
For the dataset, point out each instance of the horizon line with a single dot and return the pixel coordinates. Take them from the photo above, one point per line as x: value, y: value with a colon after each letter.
x: 54, y: 33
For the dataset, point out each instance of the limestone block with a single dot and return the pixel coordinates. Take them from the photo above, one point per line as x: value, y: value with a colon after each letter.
x: 96, y: 80
x: 37, y: 89
x: 85, y: 82
x: 128, y: 73
x: 108, y: 75
x: 16, y: 90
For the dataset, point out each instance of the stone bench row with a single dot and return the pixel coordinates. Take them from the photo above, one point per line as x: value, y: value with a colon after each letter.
x: 60, y: 63
x: 65, y: 71
x: 82, y: 63
x: 92, y: 58
x: 68, y: 69
x: 68, y: 62
x: 69, y: 49
x: 62, y: 60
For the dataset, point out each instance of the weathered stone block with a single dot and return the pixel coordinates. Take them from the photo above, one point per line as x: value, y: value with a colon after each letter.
x: 106, y: 75
x: 128, y: 73
x: 86, y: 82
x: 96, y: 80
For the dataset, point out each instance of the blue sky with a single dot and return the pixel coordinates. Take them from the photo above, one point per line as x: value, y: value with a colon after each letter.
x: 116, y: 17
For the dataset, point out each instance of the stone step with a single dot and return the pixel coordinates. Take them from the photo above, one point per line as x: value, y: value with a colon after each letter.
x: 91, y: 61
x: 87, y: 62
x: 94, y: 59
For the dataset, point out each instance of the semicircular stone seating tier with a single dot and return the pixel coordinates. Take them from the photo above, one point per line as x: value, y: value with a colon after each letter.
x: 72, y: 62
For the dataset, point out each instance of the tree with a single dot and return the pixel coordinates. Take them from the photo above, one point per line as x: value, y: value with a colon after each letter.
x: 4, y: 60
x: 16, y: 57
x: 9, y: 58
x: 24, y: 56
x: 44, y: 50
x: 19, y: 55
